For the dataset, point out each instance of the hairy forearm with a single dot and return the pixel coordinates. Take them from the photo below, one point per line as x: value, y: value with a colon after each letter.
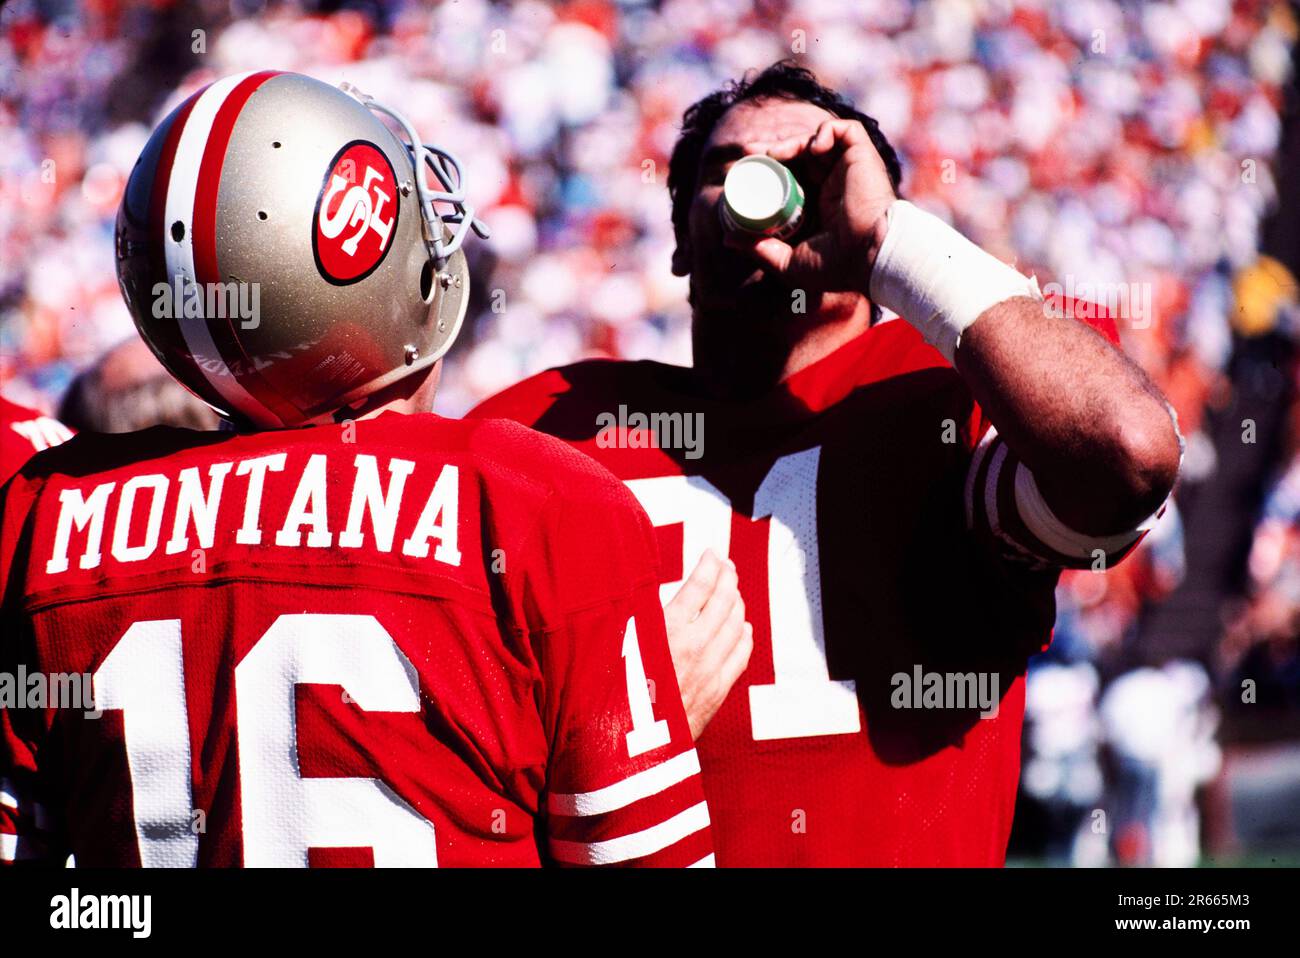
x: 1087, y: 422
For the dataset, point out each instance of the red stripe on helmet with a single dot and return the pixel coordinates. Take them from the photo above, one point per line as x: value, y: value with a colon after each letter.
x: 161, y: 177
x: 206, y: 267
x: 158, y: 238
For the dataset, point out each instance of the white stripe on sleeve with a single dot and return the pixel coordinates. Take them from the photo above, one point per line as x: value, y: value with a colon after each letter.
x: 1039, y: 519
x: 643, y: 784
x: 636, y: 845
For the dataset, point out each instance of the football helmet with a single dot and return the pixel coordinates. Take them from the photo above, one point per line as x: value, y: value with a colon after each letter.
x: 284, y: 251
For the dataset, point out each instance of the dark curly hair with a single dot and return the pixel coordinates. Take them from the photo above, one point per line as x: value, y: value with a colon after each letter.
x: 784, y: 80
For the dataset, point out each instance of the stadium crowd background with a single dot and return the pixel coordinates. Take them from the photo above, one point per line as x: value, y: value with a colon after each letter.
x: 1090, y: 141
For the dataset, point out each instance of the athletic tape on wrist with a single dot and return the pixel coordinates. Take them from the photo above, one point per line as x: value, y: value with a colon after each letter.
x: 938, y: 280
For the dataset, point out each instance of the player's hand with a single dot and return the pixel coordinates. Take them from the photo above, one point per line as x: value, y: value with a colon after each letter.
x: 854, y: 193
x: 709, y: 637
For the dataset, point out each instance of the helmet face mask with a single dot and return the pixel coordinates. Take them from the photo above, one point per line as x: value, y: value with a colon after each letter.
x: 279, y: 248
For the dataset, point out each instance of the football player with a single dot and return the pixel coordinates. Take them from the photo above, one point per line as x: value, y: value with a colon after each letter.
x: 339, y: 635
x: 23, y: 433
x: 898, y: 497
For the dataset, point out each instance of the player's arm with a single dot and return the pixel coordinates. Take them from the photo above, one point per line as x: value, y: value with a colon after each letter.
x: 1081, y: 485
x: 1097, y: 442
x: 23, y: 433
x: 27, y: 834
x: 710, y: 640
x: 623, y: 780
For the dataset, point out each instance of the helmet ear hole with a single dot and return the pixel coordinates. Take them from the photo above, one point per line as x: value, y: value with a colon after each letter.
x: 426, y: 282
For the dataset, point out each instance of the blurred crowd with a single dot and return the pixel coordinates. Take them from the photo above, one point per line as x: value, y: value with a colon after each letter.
x: 1098, y: 143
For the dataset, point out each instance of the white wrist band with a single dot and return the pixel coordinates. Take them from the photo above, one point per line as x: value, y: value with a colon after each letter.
x: 937, y: 279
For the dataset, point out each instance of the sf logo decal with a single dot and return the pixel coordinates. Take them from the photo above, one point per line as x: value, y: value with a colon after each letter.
x: 356, y: 214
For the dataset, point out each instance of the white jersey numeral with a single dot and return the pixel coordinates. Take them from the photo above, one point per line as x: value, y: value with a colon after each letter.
x: 703, y: 511
x: 803, y: 700
x: 646, y: 734
x: 144, y: 677
x: 283, y: 814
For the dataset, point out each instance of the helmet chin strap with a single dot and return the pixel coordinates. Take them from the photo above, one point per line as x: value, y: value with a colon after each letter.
x: 447, y: 169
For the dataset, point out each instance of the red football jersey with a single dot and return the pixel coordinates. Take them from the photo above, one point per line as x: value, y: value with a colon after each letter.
x: 844, y: 498
x: 23, y: 433
x: 402, y: 641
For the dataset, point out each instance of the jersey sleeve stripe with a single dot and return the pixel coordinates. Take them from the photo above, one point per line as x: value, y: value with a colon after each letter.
x: 991, y: 509
x: 1043, y: 524
x: 1016, y: 540
x: 636, y: 845
x: 24, y: 825
x: 634, y: 788
x: 999, y: 456
x: 17, y: 848
x: 972, y: 473
x: 707, y: 861
x: 1003, y: 501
